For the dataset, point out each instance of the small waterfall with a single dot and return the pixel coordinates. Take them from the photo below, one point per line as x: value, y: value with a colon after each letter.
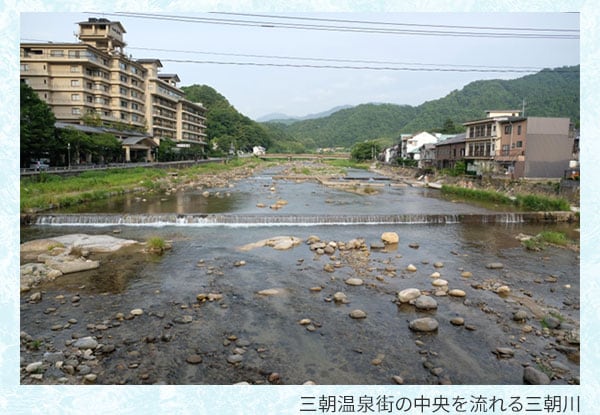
x: 233, y: 220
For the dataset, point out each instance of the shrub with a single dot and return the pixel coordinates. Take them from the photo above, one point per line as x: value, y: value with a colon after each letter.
x: 156, y: 244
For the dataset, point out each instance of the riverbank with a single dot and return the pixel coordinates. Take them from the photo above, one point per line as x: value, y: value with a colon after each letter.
x: 47, y: 192
x: 531, y: 195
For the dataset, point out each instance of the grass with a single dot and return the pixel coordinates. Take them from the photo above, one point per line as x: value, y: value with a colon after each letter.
x: 49, y: 191
x: 526, y: 202
x: 541, y: 240
x: 156, y: 243
x: 55, y: 191
x: 346, y: 163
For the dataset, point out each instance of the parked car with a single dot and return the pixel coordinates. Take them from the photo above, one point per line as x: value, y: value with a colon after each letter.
x: 39, y: 165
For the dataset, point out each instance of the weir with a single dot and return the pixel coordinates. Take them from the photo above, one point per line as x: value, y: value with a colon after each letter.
x: 294, y: 220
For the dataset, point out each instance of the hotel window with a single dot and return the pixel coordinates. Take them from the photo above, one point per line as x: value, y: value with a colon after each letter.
x: 122, y: 65
x: 123, y: 104
x: 57, y: 53
x: 75, y: 97
x: 519, y: 130
x: 76, y: 111
x: 74, y: 54
x: 507, y: 129
x: 24, y: 67
x: 74, y: 68
x: 75, y: 82
x: 519, y: 144
x: 123, y: 78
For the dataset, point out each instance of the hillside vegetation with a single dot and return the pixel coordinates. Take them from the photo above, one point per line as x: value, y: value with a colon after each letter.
x: 549, y: 93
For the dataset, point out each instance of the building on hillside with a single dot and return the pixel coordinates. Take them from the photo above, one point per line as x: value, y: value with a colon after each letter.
x: 450, y: 151
x: 535, y: 147
x: 482, y: 140
x: 94, y: 77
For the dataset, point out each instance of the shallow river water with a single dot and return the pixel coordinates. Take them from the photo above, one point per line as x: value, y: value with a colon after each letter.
x: 248, y: 337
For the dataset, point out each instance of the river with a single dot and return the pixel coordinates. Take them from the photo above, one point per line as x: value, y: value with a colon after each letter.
x: 301, y: 334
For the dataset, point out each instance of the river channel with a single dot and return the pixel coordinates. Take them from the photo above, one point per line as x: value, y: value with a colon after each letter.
x: 299, y: 333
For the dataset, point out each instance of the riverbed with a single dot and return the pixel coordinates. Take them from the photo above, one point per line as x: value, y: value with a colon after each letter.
x: 211, y: 311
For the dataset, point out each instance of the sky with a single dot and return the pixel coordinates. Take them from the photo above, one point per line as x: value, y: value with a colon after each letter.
x: 319, y: 71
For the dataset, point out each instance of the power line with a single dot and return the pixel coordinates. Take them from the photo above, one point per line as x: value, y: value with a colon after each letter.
x: 349, y: 29
x: 396, y: 23
x: 318, y: 59
x: 377, y: 68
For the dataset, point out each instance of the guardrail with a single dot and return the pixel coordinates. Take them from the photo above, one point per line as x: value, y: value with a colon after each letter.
x: 79, y: 168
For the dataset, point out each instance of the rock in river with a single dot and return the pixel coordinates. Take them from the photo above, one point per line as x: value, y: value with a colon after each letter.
x: 457, y: 293
x: 390, y: 238
x: 408, y: 294
x: 425, y: 302
x: 533, y: 376
x: 358, y: 314
x: 85, y: 343
x: 354, y: 281
x: 270, y: 291
x: 425, y: 324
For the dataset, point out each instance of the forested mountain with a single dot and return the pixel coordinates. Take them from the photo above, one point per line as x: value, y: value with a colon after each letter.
x: 549, y: 93
x: 348, y: 126
x: 224, y: 124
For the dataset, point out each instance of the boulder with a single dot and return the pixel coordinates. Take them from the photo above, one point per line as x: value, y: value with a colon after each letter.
x: 533, y: 376
x: 425, y: 302
x: 425, y: 324
x: 408, y: 294
x: 390, y: 238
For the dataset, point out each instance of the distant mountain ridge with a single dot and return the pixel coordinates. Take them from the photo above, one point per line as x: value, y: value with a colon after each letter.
x: 288, y: 119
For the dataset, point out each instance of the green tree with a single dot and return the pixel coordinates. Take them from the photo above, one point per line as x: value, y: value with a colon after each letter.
x: 37, y: 127
x: 80, y: 144
x: 366, y: 150
x: 105, y: 147
x: 224, y: 124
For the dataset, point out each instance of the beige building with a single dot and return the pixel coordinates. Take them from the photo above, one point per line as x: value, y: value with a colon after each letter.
x: 483, y: 139
x: 95, y: 77
x: 535, y: 147
x: 523, y: 147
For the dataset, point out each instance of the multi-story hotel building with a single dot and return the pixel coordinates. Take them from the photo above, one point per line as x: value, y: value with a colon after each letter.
x: 96, y: 77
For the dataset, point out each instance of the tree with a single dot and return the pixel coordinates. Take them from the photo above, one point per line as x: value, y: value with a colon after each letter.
x: 224, y: 124
x: 79, y: 143
x: 37, y: 127
x: 367, y: 150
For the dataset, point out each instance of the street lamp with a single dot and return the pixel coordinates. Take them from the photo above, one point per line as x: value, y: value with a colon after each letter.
x: 69, y: 156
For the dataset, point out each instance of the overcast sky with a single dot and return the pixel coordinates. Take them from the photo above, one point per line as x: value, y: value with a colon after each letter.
x: 438, y: 64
